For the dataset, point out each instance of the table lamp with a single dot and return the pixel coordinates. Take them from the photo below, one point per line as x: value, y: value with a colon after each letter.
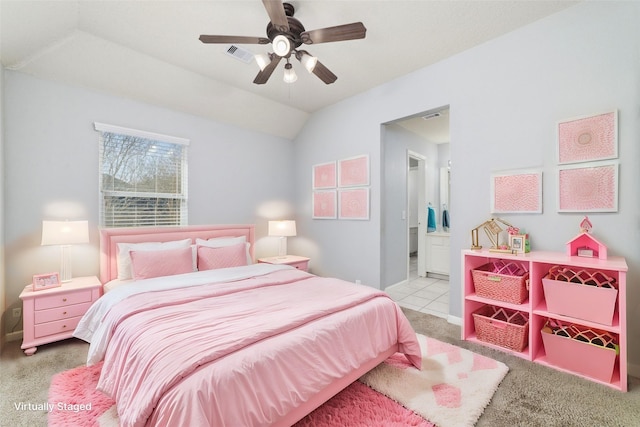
x: 282, y: 229
x: 65, y: 234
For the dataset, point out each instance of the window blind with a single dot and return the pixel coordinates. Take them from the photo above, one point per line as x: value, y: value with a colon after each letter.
x: 143, y: 178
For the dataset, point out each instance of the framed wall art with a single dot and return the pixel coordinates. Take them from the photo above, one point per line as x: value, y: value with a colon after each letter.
x: 353, y: 172
x: 324, y: 204
x: 517, y: 191
x: 324, y: 175
x: 588, y: 187
x: 354, y: 203
x: 46, y: 281
x: 588, y: 138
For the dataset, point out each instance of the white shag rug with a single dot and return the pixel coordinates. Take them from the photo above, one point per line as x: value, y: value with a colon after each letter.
x: 452, y: 389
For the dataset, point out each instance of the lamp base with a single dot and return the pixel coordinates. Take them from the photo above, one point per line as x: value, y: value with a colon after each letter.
x: 282, y: 247
x: 65, y: 264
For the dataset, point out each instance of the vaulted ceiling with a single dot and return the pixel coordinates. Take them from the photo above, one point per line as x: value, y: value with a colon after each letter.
x: 149, y: 50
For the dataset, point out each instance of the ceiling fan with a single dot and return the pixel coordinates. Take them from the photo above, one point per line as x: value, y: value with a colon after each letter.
x: 286, y: 34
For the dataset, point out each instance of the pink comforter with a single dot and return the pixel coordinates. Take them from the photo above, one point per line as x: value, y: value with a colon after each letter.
x: 245, y: 354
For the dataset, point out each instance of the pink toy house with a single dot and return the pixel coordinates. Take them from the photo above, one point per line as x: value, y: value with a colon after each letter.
x: 584, y: 244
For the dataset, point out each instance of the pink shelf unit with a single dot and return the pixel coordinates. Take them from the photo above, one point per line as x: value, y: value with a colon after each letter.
x: 535, y: 307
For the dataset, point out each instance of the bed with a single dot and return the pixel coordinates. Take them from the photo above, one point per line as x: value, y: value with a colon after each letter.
x: 230, y: 344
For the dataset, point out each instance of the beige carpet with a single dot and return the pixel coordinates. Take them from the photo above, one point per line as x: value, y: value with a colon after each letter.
x: 530, y: 395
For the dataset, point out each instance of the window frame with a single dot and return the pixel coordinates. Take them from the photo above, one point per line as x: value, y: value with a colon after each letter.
x: 182, y: 195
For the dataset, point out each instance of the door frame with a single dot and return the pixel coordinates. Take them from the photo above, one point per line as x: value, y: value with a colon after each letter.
x: 422, y: 219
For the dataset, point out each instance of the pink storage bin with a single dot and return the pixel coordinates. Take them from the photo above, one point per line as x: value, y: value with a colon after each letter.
x: 500, y: 280
x: 502, y: 326
x: 584, y: 302
x: 590, y: 360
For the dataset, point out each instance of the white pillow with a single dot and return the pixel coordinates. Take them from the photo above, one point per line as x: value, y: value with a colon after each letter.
x: 218, y: 242
x: 124, y: 256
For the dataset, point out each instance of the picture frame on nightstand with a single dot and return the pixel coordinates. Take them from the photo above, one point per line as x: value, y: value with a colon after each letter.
x: 45, y: 281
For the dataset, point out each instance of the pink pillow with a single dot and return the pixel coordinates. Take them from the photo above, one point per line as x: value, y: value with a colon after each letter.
x: 148, y: 264
x: 222, y: 257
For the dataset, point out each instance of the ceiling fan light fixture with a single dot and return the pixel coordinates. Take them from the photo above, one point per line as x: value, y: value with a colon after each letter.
x: 262, y: 60
x: 290, y: 75
x: 308, y: 61
x: 281, y: 45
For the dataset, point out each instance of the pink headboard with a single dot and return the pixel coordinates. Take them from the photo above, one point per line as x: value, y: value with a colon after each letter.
x: 110, y: 237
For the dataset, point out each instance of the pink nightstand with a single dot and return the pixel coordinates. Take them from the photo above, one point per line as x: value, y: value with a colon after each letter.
x: 299, y: 262
x: 53, y: 314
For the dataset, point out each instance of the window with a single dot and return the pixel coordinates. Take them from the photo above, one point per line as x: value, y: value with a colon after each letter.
x: 143, y: 178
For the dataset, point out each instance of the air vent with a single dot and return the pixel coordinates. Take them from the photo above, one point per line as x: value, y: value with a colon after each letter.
x: 239, y: 53
x: 431, y: 116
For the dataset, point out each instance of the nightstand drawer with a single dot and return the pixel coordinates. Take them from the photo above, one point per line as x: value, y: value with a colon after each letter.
x: 57, y: 327
x: 61, y: 300
x: 302, y: 265
x: 61, y: 313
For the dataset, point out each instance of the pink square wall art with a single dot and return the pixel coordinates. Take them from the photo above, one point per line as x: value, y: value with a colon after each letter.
x: 324, y: 175
x: 324, y: 204
x: 354, y: 204
x: 353, y: 172
x: 516, y: 192
x: 589, y: 138
x: 588, y: 187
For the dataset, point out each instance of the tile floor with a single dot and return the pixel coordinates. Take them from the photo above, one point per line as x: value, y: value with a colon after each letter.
x: 425, y: 294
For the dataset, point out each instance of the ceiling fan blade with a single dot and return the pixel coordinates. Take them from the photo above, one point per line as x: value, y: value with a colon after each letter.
x: 275, y: 10
x: 234, y: 39
x: 324, y: 73
x: 338, y: 33
x: 264, y: 75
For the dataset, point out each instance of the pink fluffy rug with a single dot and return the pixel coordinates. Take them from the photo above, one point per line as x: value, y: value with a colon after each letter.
x: 452, y: 390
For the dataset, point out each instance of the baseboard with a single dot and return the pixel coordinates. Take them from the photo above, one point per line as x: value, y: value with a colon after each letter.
x: 633, y: 370
x: 454, y: 320
x: 402, y: 282
x: 13, y: 336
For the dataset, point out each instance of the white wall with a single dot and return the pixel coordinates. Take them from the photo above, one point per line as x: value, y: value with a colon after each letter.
x: 51, y: 160
x: 505, y: 97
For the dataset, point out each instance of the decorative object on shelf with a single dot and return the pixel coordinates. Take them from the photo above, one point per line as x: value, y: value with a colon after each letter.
x: 493, y: 230
x: 517, y: 191
x: 588, y: 138
x: 324, y: 176
x: 65, y: 234
x: 282, y: 229
x: 588, y: 187
x: 584, y: 244
x: 585, y: 225
x: 519, y: 243
x: 45, y: 281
